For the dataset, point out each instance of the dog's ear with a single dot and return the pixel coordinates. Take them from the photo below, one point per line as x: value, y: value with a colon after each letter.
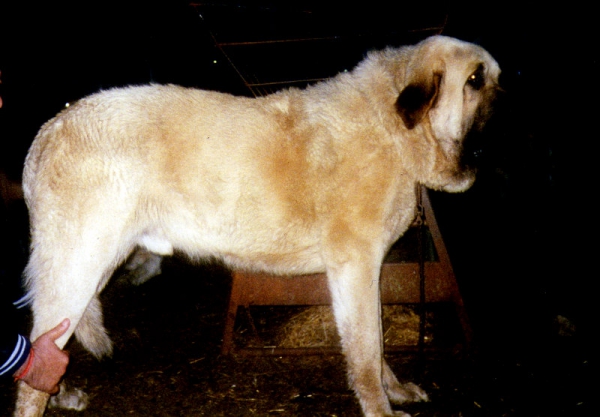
x: 417, y: 98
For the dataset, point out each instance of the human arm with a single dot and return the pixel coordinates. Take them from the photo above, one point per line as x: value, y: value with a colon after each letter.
x: 46, y: 363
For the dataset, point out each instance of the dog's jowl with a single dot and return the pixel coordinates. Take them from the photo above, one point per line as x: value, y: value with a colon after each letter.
x: 321, y: 179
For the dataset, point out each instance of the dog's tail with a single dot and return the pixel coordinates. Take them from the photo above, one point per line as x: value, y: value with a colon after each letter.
x: 91, y: 333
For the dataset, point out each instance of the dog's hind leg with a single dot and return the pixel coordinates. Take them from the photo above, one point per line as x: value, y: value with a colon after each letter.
x: 91, y: 334
x: 141, y: 267
x: 90, y: 331
x: 66, y: 271
x: 30, y: 402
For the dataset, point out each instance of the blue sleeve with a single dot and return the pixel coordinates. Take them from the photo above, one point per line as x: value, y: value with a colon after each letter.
x: 14, y: 348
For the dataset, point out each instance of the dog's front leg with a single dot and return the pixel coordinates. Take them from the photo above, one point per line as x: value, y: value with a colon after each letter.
x: 356, y: 301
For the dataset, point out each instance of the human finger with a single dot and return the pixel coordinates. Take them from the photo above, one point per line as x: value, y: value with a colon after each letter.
x: 59, y: 330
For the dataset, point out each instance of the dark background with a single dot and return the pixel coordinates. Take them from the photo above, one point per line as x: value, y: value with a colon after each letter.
x: 522, y: 240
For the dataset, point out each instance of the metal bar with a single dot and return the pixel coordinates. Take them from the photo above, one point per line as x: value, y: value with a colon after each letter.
x: 330, y: 350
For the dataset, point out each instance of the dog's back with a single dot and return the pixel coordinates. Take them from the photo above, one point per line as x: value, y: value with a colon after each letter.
x: 178, y: 164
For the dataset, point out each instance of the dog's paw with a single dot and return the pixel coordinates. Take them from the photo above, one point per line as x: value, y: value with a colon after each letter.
x: 404, y: 393
x: 69, y: 399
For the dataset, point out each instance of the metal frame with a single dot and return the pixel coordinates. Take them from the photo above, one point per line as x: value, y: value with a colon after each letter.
x: 400, y: 284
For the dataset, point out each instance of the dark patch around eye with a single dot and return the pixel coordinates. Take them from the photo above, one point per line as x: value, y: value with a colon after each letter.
x: 477, y: 79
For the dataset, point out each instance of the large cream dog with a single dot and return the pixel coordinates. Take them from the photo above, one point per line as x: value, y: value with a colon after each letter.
x: 301, y: 181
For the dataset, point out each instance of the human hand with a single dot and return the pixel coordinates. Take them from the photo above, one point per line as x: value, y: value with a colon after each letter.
x: 49, y: 362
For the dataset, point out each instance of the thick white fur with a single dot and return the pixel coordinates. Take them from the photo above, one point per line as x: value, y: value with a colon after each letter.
x: 301, y: 181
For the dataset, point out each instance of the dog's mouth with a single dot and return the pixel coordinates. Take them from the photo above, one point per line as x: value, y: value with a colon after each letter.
x: 473, y: 152
x: 476, y: 145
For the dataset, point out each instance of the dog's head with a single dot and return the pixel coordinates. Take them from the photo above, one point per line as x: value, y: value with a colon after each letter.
x: 451, y: 85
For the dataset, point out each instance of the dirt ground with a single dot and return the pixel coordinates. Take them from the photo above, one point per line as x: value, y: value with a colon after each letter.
x: 167, y: 362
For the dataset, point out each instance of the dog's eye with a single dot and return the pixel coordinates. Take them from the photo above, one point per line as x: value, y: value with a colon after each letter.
x: 477, y: 79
